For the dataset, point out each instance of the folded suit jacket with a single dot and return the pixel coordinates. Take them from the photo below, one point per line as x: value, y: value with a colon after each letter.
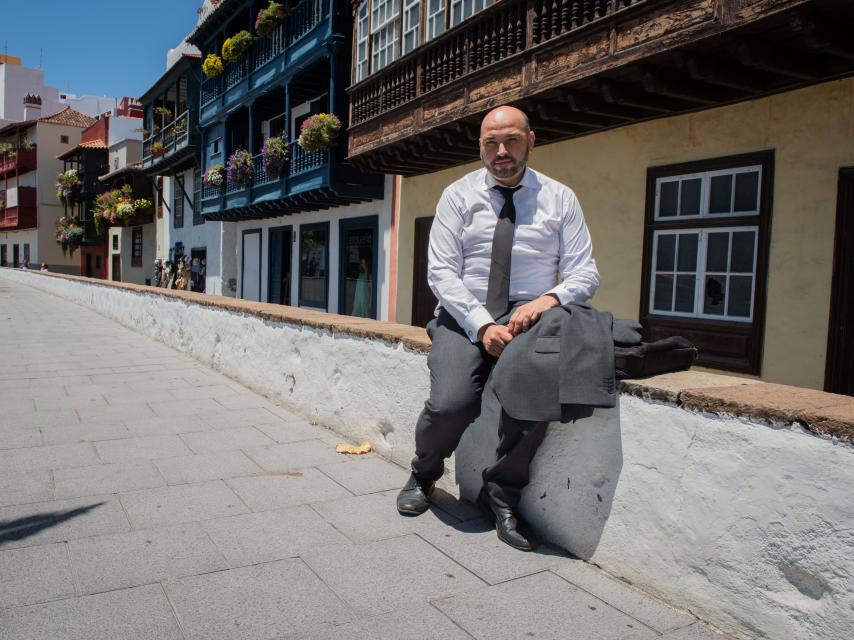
x: 561, y: 368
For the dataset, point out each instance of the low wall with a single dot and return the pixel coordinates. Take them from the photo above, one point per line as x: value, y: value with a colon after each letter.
x: 726, y: 496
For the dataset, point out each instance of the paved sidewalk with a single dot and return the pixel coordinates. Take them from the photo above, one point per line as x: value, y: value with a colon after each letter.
x: 143, y: 495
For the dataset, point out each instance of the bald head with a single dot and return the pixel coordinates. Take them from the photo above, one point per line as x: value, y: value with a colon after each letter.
x: 506, y: 140
x: 502, y: 117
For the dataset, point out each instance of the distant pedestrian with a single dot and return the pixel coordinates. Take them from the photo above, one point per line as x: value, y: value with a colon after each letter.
x: 43, y: 267
x: 25, y: 264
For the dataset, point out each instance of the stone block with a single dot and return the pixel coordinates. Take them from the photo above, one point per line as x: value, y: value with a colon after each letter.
x: 142, y: 613
x: 35, y: 574
x: 206, y: 466
x: 14, y: 438
x: 286, y: 431
x: 226, y: 440
x: 57, y: 456
x: 367, y: 474
x: 275, y: 490
x: 295, y: 455
x: 165, y: 426
x: 230, y: 418
x: 142, y: 447
x: 102, y: 479
x: 24, y: 487
x: 105, y: 563
x: 181, y: 503
x: 255, y: 603
x: 88, y: 432
x: 411, y: 571
x: 543, y: 605
x: 272, y: 535
x: 697, y: 631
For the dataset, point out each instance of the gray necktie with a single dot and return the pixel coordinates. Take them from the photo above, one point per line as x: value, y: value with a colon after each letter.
x: 498, y: 290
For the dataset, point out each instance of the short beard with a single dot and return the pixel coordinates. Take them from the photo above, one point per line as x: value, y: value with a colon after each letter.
x: 509, y: 171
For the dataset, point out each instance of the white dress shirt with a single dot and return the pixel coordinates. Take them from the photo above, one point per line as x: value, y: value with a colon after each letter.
x: 552, y: 251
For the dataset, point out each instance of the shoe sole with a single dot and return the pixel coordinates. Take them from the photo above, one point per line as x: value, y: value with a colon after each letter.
x: 412, y: 512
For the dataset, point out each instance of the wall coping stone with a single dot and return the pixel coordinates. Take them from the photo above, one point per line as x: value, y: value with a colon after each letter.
x: 824, y: 414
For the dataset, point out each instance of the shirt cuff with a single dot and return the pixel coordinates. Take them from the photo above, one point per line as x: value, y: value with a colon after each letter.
x: 562, y: 294
x: 475, y: 320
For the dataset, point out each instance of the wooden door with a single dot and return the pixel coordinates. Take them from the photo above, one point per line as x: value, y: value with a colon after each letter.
x: 423, y: 301
x: 839, y: 373
x: 117, y: 267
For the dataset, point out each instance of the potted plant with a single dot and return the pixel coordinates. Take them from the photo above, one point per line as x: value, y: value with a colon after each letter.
x: 68, y: 186
x: 318, y: 132
x: 239, y: 168
x: 157, y: 149
x: 69, y: 235
x: 235, y: 47
x: 163, y: 111
x: 274, y: 155
x: 270, y: 18
x: 215, y: 175
x: 212, y: 66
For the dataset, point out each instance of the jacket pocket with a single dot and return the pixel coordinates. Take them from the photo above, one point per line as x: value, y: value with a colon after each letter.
x: 547, y: 344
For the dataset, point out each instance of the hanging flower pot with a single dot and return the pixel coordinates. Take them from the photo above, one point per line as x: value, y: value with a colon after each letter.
x: 158, y: 149
x: 215, y: 175
x: 235, y: 47
x: 239, y: 168
x: 318, y: 132
x: 68, y: 186
x: 270, y: 18
x: 212, y: 66
x: 69, y: 235
x: 275, y: 155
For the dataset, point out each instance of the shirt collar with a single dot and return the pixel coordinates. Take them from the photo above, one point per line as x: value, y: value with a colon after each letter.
x: 529, y: 179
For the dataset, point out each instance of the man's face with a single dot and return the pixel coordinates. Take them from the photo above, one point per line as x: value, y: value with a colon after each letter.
x: 504, y: 149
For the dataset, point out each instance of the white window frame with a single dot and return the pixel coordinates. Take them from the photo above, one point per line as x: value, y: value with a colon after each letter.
x: 435, y: 22
x: 385, y: 26
x: 362, y: 37
x: 411, y: 28
x: 705, y: 194
x: 467, y: 9
x: 701, y: 273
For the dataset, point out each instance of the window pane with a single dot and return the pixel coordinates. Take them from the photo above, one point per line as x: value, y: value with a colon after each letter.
x: 742, y: 252
x: 721, y: 194
x: 313, y: 259
x: 668, y: 199
x: 685, y: 285
x: 666, y: 254
x: 715, y: 295
x: 663, y: 293
x: 716, y: 251
x: 746, y: 191
x: 689, y: 205
x: 739, y: 296
x: 687, y: 259
x: 358, y: 272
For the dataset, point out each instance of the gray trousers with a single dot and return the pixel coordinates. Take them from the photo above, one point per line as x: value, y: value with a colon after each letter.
x: 458, y: 372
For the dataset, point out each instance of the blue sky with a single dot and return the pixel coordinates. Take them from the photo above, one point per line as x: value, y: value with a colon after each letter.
x: 107, y: 47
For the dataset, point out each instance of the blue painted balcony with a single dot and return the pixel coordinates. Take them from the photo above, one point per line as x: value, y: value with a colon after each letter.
x: 296, y: 42
x: 170, y: 148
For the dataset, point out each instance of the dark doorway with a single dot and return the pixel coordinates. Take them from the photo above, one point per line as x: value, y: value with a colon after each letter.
x: 279, y: 281
x: 423, y: 301
x: 839, y: 373
x: 16, y: 255
x: 198, y: 269
x: 117, y: 267
x: 357, y: 286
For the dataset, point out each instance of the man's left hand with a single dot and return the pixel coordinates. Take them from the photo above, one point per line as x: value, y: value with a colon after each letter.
x: 525, y: 316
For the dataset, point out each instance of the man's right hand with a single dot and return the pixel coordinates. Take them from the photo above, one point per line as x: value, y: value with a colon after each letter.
x: 494, y: 338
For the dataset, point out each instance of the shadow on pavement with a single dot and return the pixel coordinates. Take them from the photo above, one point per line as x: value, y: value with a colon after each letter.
x: 12, y: 530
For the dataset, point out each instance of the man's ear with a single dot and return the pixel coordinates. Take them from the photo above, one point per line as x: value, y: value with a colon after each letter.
x: 531, y: 140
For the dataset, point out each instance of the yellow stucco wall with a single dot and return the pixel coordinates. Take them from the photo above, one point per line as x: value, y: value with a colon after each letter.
x: 812, y: 133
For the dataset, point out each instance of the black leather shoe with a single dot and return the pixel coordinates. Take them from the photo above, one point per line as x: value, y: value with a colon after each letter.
x: 414, y: 498
x: 511, y: 530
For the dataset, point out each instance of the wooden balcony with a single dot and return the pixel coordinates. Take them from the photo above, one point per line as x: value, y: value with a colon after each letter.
x: 24, y: 160
x: 173, y: 147
x: 581, y: 66
x: 19, y: 211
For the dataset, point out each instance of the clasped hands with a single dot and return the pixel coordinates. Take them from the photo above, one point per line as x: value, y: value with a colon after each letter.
x: 497, y: 336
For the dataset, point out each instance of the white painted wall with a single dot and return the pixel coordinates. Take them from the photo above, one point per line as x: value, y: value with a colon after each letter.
x: 124, y: 128
x: 749, y: 525
x: 379, y: 208
x: 16, y: 81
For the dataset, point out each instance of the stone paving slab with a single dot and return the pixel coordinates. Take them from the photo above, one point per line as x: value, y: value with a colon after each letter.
x: 390, y: 574
x: 142, y: 447
x: 640, y: 606
x: 542, y: 606
x: 18, y: 438
x: 37, y: 523
x: 697, y: 631
x: 165, y: 426
x: 218, y: 465
x: 105, y: 563
x: 295, y: 455
x: 230, y: 418
x: 275, y: 490
x: 128, y: 475
x: 255, y: 603
x: 366, y: 475
x: 272, y: 535
x: 57, y: 456
x: 226, y: 440
x: 84, y: 433
x: 24, y: 487
x: 35, y: 574
x: 142, y: 613
x: 284, y: 432
x: 39, y: 419
x: 181, y: 503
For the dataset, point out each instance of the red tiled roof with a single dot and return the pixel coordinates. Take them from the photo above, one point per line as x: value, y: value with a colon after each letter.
x: 92, y: 144
x: 69, y: 117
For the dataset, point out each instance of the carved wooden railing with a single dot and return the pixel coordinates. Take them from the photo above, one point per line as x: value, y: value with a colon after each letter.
x: 301, y: 160
x: 492, y: 35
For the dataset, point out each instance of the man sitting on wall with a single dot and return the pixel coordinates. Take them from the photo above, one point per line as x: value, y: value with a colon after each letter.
x: 490, y: 216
